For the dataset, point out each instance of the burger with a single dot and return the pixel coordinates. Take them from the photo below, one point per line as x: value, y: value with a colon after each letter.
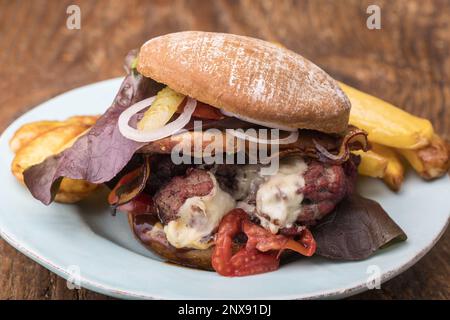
x: 227, y: 153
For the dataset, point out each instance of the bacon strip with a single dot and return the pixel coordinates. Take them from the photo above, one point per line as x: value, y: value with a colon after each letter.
x: 260, y: 253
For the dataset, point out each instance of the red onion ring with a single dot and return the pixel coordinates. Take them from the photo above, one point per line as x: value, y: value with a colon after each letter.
x: 169, y: 129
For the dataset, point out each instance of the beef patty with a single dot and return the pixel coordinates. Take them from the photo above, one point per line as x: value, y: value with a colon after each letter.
x: 170, y: 198
x: 325, y: 186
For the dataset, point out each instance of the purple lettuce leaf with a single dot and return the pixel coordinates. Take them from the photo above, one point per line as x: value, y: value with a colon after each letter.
x: 355, y: 230
x: 101, y: 153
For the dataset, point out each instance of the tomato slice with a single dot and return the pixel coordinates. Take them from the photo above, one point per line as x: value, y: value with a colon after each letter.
x: 264, y: 240
x: 142, y: 204
x: 204, y: 111
x: 260, y: 253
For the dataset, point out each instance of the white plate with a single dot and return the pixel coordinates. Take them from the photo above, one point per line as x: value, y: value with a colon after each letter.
x: 86, y: 238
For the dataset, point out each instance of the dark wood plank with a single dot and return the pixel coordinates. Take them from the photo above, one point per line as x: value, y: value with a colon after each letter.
x: 407, y: 62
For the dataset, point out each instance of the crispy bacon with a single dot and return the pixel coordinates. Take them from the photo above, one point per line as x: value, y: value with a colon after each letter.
x: 355, y: 139
x: 261, y: 251
x: 246, y: 261
x: 264, y: 240
x: 327, y: 148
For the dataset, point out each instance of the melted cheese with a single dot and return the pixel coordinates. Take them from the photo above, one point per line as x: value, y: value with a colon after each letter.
x: 198, y: 217
x: 278, y: 200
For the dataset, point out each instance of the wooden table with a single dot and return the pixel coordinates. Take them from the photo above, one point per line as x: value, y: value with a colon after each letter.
x: 407, y: 62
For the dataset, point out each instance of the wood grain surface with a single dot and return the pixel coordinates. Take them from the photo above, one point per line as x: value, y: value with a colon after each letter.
x: 407, y: 62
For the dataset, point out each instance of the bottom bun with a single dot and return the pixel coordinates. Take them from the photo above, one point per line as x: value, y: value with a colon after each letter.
x: 142, y: 226
x: 145, y: 229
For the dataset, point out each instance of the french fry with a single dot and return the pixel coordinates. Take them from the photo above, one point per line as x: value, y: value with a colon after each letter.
x: 395, y: 171
x: 87, y: 120
x: 372, y: 164
x: 71, y: 190
x: 30, y: 131
x: 385, y: 123
x: 384, y: 163
x: 49, y: 143
x: 431, y: 161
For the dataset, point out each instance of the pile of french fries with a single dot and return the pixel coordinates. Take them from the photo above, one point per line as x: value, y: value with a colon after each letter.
x: 34, y: 142
x: 397, y: 138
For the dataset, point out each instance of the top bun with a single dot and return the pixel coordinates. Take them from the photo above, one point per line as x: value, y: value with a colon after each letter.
x: 248, y: 77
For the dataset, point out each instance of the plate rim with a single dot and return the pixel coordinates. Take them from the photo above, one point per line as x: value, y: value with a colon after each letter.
x: 117, y: 293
